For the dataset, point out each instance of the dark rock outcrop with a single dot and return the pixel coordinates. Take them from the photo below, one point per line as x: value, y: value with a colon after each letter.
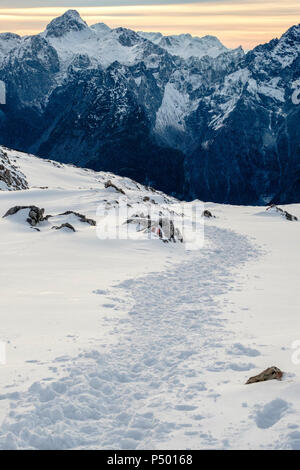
x: 207, y: 214
x: 268, y: 374
x: 35, y: 214
x: 10, y: 174
x: 66, y: 225
x: 285, y: 214
x: 81, y: 217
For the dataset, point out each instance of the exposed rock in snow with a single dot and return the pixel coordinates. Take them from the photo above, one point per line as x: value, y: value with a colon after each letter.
x: 163, y: 228
x: 273, y: 209
x: 81, y: 217
x: 207, y: 214
x: 269, y: 374
x: 66, y: 226
x: 34, y: 215
x: 109, y: 184
x: 11, y: 178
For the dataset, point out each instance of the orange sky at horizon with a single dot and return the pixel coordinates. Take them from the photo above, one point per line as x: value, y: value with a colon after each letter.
x: 246, y: 24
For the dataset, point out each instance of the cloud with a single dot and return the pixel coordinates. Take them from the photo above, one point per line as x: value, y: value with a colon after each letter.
x: 95, y: 3
x: 246, y: 22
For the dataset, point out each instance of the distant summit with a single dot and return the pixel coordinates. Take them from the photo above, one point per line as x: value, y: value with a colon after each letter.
x: 69, y: 21
x: 186, y: 45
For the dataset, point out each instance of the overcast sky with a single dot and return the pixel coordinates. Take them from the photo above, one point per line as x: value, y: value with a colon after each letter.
x: 244, y: 22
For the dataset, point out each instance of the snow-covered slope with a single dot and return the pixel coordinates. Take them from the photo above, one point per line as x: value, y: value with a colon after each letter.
x: 124, y: 208
x: 101, y: 45
x: 131, y: 343
x: 37, y: 173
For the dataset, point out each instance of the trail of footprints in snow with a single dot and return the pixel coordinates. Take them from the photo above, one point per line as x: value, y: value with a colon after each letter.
x: 134, y: 394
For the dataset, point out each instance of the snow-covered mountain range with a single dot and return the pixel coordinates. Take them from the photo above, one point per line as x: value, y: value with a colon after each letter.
x: 183, y: 114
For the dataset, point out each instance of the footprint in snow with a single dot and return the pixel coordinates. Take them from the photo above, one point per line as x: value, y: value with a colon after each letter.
x: 239, y: 350
x: 294, y: 440
x: 271, y: 413
x: 241, y: 367
x: 185, y: 408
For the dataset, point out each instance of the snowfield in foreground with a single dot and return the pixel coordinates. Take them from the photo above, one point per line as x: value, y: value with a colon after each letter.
x: 134, y: 344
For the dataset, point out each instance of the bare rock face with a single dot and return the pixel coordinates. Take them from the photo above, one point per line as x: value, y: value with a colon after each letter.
x: 10, y: 176
x: 269, y: 374
x: 35, y: 214
x: 285, y: 214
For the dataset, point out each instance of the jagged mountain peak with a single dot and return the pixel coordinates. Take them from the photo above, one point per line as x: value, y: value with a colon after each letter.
x: 287, y: 50
x: 292, y: 33
x: 277, y: 54
x: 144, y: 105
x: 68, y: 22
